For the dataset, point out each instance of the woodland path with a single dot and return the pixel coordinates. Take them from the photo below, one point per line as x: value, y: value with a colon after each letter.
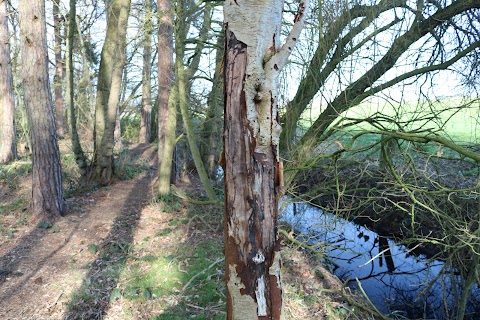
x: 41, y: 269
x: 119, y: 236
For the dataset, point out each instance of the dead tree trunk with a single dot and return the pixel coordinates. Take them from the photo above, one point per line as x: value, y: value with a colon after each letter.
x: 253, y: 171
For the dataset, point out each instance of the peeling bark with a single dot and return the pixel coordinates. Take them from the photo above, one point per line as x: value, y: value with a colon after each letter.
x: 253, y: 61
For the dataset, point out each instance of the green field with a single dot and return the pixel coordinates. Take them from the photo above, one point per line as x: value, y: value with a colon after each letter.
x: 456, y: 118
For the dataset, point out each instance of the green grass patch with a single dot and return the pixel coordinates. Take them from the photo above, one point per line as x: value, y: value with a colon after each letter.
x: 169, y: 202
x: 12, y: 173
x: 177, y: 221
x: 176, y: 279
x: 15, y: 206
x: 163, y: 232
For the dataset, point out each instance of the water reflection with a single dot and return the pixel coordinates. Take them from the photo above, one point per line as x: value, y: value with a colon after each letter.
x: 397, y: 282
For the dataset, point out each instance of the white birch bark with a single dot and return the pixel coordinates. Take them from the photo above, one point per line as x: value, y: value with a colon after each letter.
x: 254, y: 58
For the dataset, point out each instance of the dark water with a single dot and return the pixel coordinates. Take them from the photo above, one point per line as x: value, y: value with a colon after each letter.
x: 398, y: 283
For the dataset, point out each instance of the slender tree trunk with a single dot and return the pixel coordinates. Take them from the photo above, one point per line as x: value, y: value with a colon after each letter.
x: 76, y: 146
x: 211, y: 129
x: 166, y: 97
x: 183, y: 101
x: 182, y: 76
x: 146, y: 112
x: 47, y: 190
x: 253, y: 172
x: 58, y: 78
x: 85, y: 87
x: 23, y: 134
x: 108, y: 91
x: 8, y: 143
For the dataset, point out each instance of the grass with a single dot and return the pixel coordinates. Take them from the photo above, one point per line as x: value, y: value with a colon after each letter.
x: 13, y: 200
x: 12, y: 174
x: 174, y: 279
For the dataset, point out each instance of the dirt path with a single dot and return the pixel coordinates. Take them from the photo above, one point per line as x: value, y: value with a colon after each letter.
x: 43, y: 270
x: 122, y: 254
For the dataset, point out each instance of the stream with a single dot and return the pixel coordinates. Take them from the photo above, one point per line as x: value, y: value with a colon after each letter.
x: 398, y: 283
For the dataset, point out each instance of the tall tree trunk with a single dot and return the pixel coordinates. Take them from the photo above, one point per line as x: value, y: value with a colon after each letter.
x: 146, y: 112
x: 187, y: 123
x: 24, y: 132
x: 58, y: 78
x: 76, y: 146
x: 85, y: 98
x: 108, y: 91
x: 8, y: 143
x: 211, y: 129
x: 183, y: 76
x: 47, y: 190
x: 166, y: 97
x: 253, y: 172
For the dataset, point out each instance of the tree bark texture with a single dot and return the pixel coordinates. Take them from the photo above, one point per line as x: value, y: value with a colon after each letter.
x: 108, y: 91
x: 8, y: 145
x: 166, y: 100
x: 253, y: 171
x: 76, y: 146
x: 146, y: 111
x: 58, y: 78
x: 47, y: 190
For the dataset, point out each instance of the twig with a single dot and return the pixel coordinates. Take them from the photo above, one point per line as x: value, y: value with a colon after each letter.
x: 198, y: 217
x: 55, y: 302
x: 310, y: 248
x: 369, y: 301
x: 374, y: 257
x: 206, y: 309
x: 201, y: 272
x: 183, y: 196
x: 354, y: 303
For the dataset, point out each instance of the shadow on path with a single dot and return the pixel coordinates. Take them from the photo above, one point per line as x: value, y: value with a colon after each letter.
x: 22, y: 253
x: 43, y: 250
x: 92, y: 299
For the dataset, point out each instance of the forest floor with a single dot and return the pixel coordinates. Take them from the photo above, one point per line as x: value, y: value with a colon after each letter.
x: 122, y: 253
